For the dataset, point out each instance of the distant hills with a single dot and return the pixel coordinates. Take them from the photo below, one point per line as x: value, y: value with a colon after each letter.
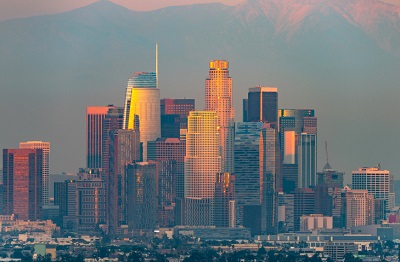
x: 340, y: 57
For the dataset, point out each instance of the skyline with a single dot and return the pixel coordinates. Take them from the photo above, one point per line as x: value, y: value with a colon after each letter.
x: 195, y: 70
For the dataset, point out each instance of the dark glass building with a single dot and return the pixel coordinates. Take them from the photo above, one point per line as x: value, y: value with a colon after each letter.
x: 262, y: 105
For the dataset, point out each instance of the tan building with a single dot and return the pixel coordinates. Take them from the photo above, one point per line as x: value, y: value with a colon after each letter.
x: 315, y: 221
x: 219, y: 99
x: 360, y: 208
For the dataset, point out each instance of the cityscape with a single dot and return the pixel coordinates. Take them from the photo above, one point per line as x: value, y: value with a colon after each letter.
x: 166, y: 179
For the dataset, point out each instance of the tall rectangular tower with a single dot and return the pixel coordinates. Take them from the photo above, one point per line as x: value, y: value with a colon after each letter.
x: 262, y: 105
x: 202, y: 163
x: 219, y: 99
x: 22, y: 180
x: 45, y: 146
x: 94, y: 135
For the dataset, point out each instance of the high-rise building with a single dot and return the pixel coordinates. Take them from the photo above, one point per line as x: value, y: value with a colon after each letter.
x: 359, y: 207
x: 263, y: 105
x: 170, y: 126
x: 143, y: 99
x: 181, y: 107
x: 94, y: 137
x: 303, y: 205
x: 22, y: 180
x: 124, y: 149
x: 285, y: 212
x: 377, y: 182
x: 202, y: 163
x: 292, y: 124
x: 219, y: 99
x: 45, y: 146
x: 90, y: 199
x: 330, y: 176
x: 307, y: 159
x: 224, y: 200
x: 112, y: 121
x: 256, y: 167
x: 245, y: 109
x: 142, y: 195
x: 65, y: 199
x: 170, y: 153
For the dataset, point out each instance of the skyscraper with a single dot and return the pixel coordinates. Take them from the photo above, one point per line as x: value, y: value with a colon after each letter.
x: 45, y: 146
x: 304, y: 203
x: 124, y: 149
x: 143, y: 99
x: 377, y: 182
x: 262, y: 105
x: 296, y: 125
x: 142, y: 193
x: 224, y: 202
x: 181, y: 107
x: 256, y: 168
x: 202, y: 163
x: 90, y: 199
x: 170, y: 153
x: 94, y: 137
x: 219, y: 99
x: 112, y: 121
x: 359, y: 208
x: 22, y: 180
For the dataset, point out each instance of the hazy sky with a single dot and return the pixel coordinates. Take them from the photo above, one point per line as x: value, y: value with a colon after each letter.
x: 23, y: 8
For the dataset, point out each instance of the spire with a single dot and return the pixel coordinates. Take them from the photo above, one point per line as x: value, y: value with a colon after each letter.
x: 157, y: 63
x: 327, y: 166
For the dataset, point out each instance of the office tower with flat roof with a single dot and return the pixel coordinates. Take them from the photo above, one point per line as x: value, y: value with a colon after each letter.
x: 65, y: 198
x: 170, y: 153
x: 292, y: 124
x: 45, y: 146
x: 377, y: 182
x: 202, y: 163
x: 359, y: 208
x: 307, y: 159
x: 178, y: 106
x: 112, y: 121
x: 22, y: 180
x: 142, y: 193
x: 304, y: 202
x: 95, y: 116
x: 143, y: 100
x: 90, y: 199
x: 124, y: 149
x: 224, y: 200
x: 263, y: 105
x: 245, y: 109
x: 219, y: 99
x: 256, y: 167
x: 170, y: 126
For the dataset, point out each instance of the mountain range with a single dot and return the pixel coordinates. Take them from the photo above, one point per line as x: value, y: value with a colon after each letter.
x: 339, y: 57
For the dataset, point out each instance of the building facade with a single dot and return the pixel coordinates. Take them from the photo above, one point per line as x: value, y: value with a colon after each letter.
x: 202, y: 163
x: 224, y: 202
x: 181, y: 107
x: 94, y: 137
x: 218, y: 98
x: 45, y: 146
x: 22, y: 180
x: 262, y: 105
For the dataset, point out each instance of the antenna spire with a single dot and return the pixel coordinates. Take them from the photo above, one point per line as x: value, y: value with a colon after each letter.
x: 157, y: 64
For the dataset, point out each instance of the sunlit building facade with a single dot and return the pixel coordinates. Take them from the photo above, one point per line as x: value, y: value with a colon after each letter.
x: 202, y: 163
x: 219, y: 99
x: 45, y: 146
x: 94, y: 141
x: 22, y: 180
x: 378, y: 183
x: 359, y: 207
x: 143, y: 99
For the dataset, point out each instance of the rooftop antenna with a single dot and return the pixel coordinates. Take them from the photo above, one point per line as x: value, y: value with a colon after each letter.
x: 157, y: 64
x: 326, y: 151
